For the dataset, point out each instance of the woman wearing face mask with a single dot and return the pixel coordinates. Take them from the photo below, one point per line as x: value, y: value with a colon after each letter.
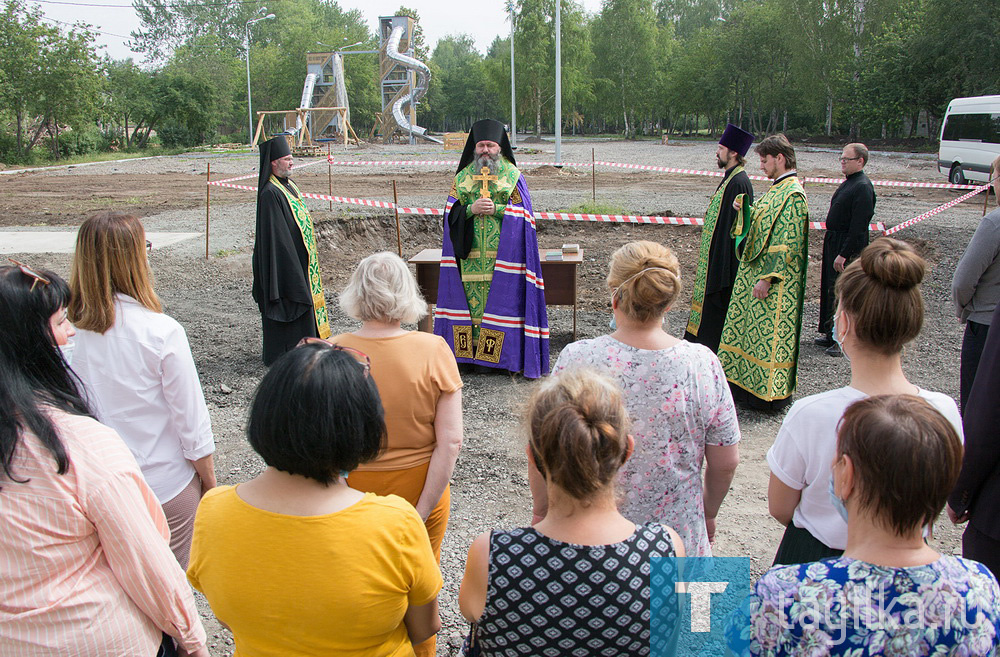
x: 880, y: 310
x: 678, y: 401
x: 136, y: 364
x: 895, y: 460
x: 84, y: 563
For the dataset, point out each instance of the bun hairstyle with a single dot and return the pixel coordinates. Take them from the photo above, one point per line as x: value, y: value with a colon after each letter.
x: 578, y: 428
x: 645, y: 278
x: 881, y: 293
x: 906, y: 458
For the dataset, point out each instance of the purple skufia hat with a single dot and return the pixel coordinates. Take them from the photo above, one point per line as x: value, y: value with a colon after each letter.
x: 736, y: 139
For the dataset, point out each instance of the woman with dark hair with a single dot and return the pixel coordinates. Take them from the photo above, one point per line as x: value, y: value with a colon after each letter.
x: 678, y: 401
x: 879, y: 310
x: 577, y: 583
x: 897, y: 459
x: 84, y: 562
x: 296, y: 562
x: 136, y: 364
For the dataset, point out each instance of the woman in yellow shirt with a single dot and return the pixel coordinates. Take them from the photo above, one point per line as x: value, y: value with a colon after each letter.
x: 294, y: 561
x: 420, y: 387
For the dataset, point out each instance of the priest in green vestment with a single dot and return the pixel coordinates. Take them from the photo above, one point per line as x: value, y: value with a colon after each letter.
x: 287, y: 284
x: 491, y: 296
x: 718, y: 260
x: 760, y: 339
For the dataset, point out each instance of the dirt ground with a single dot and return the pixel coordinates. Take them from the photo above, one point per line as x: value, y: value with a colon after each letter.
x: 211, y: 298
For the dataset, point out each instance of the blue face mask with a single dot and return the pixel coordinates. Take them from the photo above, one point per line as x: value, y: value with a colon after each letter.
x: 836, y: 336
x: 837, y: 503
x: 67, y: 350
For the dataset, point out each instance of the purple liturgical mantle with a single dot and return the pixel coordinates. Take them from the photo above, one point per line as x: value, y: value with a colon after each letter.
x: 514, y: 334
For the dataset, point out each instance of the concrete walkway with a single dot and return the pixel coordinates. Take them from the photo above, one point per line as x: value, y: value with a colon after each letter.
x: 64, y: 241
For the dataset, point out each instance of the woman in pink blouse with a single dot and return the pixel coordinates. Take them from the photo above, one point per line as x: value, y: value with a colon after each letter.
x: 85, y: 568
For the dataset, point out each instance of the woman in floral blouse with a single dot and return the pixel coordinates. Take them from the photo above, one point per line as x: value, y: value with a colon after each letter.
x: 678, y: 401
x: 890, y: 593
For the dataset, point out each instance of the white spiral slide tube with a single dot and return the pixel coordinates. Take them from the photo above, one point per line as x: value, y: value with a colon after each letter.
x: 423, y: 79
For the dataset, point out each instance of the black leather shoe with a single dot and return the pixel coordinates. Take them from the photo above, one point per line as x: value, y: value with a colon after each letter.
x: 824, y: 341
x: 834, y: 351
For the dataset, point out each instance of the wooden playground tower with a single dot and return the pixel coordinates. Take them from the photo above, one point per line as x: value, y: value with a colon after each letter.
x: 302, y: 142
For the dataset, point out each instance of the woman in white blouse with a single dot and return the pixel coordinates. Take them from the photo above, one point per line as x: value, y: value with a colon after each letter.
x: 137, y: 368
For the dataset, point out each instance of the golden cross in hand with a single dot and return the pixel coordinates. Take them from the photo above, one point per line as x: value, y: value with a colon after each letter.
x: 484, y: 179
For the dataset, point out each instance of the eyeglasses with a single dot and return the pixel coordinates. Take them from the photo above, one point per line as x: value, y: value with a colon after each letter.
x: 149, y: 246
x: 359, y: 356
x: 848, y: 159
x: 31, y: 273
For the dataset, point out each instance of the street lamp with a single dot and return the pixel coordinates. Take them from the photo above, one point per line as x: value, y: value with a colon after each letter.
x: 247, y: 42
x: 513, y: 108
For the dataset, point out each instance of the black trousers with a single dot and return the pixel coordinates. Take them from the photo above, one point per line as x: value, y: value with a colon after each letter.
x: 982, y: 548
x: 972, y: 349
x: 832, y: 242
x: 713, y: 318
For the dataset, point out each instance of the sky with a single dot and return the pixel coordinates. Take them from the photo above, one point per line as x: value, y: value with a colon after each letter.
x: 483, y: 20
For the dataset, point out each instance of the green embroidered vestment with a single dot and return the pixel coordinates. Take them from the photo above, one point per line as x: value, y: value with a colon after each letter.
x: 305, y: 224
x: 701, y: 271
x: 477, y: 269
x: 760, y: 339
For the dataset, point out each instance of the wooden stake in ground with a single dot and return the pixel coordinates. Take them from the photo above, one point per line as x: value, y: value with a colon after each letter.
x: 593, y: 173
x: 208, y: 202
x: 329, y: 174
x: 395, y: 208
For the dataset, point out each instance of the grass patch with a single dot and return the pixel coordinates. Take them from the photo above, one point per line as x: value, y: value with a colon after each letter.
x: 102, y: 157
x: 596, y: 207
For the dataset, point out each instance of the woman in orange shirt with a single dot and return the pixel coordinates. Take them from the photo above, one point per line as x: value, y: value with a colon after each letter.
x: 421, y: 391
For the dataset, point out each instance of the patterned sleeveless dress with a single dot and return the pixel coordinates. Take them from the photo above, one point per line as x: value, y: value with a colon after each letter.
x: 549, y: 598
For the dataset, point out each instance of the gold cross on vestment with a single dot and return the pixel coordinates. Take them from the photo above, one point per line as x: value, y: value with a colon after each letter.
x: 485, y: 178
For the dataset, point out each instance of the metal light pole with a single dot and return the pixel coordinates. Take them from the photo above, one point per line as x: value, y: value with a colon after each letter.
x: 247, y: 42
x: 558, y: 84
x: 513, y: 107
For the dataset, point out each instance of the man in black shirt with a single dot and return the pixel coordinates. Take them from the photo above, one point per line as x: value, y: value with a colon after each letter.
x: 851, y: 210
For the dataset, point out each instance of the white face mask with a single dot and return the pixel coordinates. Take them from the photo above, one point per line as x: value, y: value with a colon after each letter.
x: 67, y: 350
x: 836, y: 335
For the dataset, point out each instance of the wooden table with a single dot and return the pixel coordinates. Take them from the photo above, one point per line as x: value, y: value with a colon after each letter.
x: 559, y: 277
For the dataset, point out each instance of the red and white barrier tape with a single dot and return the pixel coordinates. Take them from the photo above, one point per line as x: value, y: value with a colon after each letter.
x: 647, y: 167
x: 937, y: 210
x: 564, y: 216
x: 254, y: 175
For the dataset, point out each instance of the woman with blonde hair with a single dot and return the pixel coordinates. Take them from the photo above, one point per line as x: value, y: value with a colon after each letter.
x: 421, y: 391
x: 577, y: 583
x: 680, y: 406
x: 137, y: 367
x: 880, y: 310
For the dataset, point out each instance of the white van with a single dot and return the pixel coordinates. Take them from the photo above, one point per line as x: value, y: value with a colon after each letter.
x: 970, y: 139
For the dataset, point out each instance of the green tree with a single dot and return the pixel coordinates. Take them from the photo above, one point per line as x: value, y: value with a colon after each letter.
x: 48, y: 79
x: 624, y: 48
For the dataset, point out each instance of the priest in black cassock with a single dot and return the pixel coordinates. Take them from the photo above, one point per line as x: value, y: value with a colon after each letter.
x: 287, y: 285
x: 717, y: 260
